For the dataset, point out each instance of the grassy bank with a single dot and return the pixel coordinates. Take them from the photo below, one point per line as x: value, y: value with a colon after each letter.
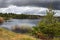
x: 8, y: 35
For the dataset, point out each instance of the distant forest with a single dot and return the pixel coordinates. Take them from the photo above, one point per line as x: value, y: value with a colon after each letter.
x: 19, y: 16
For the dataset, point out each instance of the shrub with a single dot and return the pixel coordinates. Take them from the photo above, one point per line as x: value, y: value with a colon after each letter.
x: 22, y: 29
x: 49, y: 26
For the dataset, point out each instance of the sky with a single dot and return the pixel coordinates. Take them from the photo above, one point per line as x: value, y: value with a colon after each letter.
x: 36, y: 7
x: 39, y: 3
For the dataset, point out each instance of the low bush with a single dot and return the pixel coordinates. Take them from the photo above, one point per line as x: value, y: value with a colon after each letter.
x: 22, y: 29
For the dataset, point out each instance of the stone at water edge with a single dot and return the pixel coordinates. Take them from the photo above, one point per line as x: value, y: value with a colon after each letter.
x: 1, y: 19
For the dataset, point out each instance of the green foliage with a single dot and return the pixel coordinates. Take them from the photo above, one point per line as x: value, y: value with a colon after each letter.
x: 49, y: 26
x: 18, y: 16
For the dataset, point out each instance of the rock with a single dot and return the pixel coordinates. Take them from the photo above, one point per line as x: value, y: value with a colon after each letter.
x: 1, y: 19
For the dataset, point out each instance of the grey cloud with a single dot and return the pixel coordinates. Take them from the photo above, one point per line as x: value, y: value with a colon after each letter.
x: 3, y: 3
x: 42, y: 3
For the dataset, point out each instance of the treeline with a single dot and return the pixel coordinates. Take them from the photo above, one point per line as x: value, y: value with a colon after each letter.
x: 19, y: 16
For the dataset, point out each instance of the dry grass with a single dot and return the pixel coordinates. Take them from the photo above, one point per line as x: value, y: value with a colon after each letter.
x: 8, y: 35
x: 56, y: 38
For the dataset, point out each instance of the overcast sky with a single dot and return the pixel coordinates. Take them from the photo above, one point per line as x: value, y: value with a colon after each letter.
x: 39, y: 3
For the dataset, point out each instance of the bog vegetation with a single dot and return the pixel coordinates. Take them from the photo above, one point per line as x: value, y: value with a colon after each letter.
x: 9, y: 35
x: 48, y: 27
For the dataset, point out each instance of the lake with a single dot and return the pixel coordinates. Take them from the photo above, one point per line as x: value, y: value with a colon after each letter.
x: 12, y: 22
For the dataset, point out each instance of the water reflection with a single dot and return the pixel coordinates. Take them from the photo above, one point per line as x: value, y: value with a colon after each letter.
x: 19, y: 22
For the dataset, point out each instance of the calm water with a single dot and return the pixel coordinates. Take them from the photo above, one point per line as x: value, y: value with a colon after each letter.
x: 12, y: 22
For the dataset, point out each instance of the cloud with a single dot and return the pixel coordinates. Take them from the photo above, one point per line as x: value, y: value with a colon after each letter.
x: 40, y: 3
x: 28, y: 10
x: 23, y: 9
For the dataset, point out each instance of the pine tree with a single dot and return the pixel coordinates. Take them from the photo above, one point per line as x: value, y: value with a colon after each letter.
x: 49, y: 26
